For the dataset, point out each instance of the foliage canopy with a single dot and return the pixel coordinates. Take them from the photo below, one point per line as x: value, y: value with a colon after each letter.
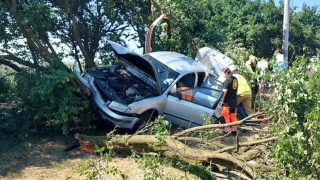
x: 37, y: 35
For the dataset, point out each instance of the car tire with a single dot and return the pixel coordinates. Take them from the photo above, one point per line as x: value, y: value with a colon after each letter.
x: 144, y: 119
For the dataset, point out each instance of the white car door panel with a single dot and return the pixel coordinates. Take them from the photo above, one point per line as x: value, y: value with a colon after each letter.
x: 185, y: 113
x: 190, y: 108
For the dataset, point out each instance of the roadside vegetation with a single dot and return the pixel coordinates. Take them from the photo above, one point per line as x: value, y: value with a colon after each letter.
x: 42, y: 106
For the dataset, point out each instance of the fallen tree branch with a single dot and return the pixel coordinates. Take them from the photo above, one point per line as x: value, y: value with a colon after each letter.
x: 252, y: 153
x: 193, y: 139
x: 253, y: 129
x: 88, y: 144
x: 211, y: 126
x: 266, y: 168
x: 223, y: 159
x: 260, y: 120
x: 246, y: 144
x: 187, y: 151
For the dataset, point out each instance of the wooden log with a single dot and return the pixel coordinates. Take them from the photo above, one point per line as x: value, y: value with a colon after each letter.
x: 88, y: 143
x: 247, y: 144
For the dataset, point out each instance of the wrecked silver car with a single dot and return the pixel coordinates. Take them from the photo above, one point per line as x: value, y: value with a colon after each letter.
x: 139, y: 88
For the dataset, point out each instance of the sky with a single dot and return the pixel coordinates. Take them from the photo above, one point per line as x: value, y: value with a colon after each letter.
x: 299, y: 3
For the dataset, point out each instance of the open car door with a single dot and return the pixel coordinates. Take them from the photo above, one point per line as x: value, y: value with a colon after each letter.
x: 189, y: 107
x: 213, y: 60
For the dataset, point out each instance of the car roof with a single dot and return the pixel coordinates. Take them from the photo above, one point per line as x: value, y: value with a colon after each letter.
x: 178, y: 62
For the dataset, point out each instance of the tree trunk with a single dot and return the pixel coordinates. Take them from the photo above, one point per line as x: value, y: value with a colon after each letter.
x: 173, y: 143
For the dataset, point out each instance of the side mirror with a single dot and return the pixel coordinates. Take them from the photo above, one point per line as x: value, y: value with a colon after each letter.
x: 179, y: 95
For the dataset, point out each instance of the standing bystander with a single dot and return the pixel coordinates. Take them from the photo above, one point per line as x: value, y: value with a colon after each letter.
x: 251, y: 65
x: 263, y: 66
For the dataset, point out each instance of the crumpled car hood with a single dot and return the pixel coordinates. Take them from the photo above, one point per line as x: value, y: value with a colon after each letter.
x: 128, y: 58
x: 213, y: 60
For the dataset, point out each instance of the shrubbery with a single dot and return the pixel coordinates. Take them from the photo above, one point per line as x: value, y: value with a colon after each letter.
x: 47, y: 101
x: 5, y: 79
x: 4, y: 85
x: 296, y: 108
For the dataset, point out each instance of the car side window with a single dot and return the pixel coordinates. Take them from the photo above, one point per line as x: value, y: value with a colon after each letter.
x: 184, y: 94
x: 187, y: 94
x: 212, y: 83
x: 206, y: 97
x: 202, y: 96
x: 186, y: 82
x: 201, y: 76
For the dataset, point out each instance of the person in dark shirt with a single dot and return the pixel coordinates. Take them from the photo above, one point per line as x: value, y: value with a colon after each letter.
x: 229, y: 99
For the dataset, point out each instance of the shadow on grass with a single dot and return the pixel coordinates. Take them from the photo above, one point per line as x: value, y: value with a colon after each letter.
x: 42, y: 149
x: 33, y: 151
x: 39, y: 149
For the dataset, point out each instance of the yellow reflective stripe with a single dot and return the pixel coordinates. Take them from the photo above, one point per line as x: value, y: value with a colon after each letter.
x: 243, y: 86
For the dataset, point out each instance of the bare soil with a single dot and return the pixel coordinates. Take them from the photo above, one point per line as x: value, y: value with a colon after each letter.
x: 36, y: 158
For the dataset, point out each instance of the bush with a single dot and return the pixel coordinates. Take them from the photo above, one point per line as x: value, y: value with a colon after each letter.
x: 47, y: 101
x: 296, y: 108
x: 5, y: 79
x: 4, y: 85
x: 240, y: 56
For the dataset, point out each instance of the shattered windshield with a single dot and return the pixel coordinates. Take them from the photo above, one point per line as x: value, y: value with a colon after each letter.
x: 165, y: 74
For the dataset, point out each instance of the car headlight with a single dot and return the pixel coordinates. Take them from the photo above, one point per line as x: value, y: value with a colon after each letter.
x: 119, y: 107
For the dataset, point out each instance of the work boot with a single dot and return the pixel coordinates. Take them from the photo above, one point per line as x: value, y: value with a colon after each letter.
x: 226, y: 130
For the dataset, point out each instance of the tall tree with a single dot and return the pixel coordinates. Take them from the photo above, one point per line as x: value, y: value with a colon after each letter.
x: 254, y: 25
x: 40, y: 33
x: 305, y: 31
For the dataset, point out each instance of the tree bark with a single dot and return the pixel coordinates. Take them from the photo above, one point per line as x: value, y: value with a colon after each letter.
x: 10, y: 64
x: 5, y: 59
x: 137, y: 141
x: 173, y: 144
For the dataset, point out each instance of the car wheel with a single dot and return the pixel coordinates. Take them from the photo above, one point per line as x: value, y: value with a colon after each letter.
x: 144, y: 119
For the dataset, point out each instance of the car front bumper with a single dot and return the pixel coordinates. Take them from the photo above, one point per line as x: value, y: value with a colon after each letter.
x: 119, y: 120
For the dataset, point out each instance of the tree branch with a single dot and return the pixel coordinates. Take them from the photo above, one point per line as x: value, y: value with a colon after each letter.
x: 18, y: 60
x: 46, y: 40
x: 246, y: 144
x: 215, y: 125
x: 88, y: 143
x: 31, y: 38
x: 10, y: 64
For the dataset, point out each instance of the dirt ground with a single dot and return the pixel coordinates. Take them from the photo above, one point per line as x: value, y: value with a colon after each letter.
x: 42, y: 157
x: 37, y: 158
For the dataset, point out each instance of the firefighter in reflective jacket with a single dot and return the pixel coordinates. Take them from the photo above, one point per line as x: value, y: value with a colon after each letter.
x: 251, y: 65
x: 244, y: 93
x: 229, y: 99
